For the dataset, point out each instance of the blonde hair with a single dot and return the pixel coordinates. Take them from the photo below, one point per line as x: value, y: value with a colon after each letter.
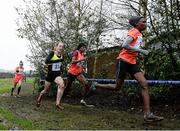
x: 56, y: 44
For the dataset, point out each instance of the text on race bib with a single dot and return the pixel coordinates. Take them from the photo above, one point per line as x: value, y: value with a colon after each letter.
x: 56, y: 66
x: 138, y: 42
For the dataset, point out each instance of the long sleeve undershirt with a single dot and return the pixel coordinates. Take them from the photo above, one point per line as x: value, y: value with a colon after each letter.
x: 49, y: 61
x: 127, y: 45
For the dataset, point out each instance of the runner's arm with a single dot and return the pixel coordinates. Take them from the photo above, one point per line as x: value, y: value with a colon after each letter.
x: 74, y: 58
x: 16, y: 71
x: 127, y: 45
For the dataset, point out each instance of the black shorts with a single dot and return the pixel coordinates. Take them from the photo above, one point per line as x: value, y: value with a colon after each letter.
x: 122, y: 67
x: 71, y: 76
x: 51, y: 76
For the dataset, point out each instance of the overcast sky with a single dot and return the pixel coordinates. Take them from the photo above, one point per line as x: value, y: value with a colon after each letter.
x: 12, y: 48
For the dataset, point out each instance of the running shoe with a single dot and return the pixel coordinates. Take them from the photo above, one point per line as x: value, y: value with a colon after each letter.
x: 150, y: 117
x: 18, y: 96
x: 60, y: 107
x: 87, y: 105
x: 38, y: 104
x: 83, y: 102
x: 93, y: 86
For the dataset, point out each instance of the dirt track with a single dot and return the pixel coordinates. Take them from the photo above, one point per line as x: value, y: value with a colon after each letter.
x: 76, y: 116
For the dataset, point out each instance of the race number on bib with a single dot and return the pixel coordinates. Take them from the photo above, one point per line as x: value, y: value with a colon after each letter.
x: 81, y: 63
x: 56, y: 66
x: 138, y: 42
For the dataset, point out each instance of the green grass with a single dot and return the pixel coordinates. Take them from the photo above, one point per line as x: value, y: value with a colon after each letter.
x: 29, y: 80
x: 2, y: 127
x: 7, y: 115
x: 7, y: 84
x: 23, y: 113
x: 11, y: 119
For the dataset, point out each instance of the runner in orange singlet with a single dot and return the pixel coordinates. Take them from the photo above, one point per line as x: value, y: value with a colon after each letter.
x: 76, y: 70
x: 18, y: 78
x: 126, y: 63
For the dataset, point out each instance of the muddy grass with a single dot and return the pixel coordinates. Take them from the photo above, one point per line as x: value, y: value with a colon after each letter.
x: 105, y: 115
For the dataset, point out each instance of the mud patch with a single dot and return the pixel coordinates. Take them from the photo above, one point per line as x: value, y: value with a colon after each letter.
x: 107, y: 114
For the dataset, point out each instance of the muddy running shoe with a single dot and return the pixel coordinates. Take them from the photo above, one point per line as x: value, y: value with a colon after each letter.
x: 87, y: 105
x: 60, y: 107
x: 93, y: 86
x: 18, y: 96
x: 83, y: 102
x: 38, y: 104
x: 150, y: 117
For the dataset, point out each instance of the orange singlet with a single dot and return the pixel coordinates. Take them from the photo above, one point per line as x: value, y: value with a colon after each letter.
x: 77, y: 68
x: 128, y: 55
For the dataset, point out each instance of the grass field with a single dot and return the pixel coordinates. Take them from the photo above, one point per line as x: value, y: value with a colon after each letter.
x: 7, y: 83
x: 21, y: 113
x: 7, y: 118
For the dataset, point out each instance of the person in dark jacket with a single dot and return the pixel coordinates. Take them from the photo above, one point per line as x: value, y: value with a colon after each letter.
x: 54, y: 61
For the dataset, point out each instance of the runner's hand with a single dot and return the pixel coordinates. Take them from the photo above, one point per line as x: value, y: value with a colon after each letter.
x: 84, y: 59
x: 145, y: 52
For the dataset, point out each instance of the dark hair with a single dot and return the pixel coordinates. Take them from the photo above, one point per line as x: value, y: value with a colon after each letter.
x: 21, y: 63
x: 80, y: 45
x: 134, y: 20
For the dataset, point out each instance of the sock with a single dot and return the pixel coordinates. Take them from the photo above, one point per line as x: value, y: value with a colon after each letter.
x: 12, y: 91
x: 19, y: 89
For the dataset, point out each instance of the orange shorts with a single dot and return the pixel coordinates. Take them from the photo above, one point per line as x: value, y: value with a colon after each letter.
x: 17, y: 79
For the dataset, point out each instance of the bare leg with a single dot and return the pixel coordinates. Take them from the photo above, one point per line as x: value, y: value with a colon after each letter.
x: 44, y: 91
x: 148, y: 116
x: 68, y: 86
x: 145, y: 93
x: 14, y: 86
x: 84, y: 84
x: 117, y: 86
x: 19, y: 88
x: 60, y: 92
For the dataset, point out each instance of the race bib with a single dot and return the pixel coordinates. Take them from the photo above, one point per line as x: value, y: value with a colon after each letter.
x: 20, y: 71
x: 138, y: 42
x: 81, y: 63
x: 56, y: 66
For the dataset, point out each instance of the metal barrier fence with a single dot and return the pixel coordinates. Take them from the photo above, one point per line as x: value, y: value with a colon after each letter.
x: 112, y: 81
x: 150, y: 82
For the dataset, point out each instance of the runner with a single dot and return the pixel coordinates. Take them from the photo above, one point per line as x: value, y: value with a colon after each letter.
x: 54, y: 61
x: 76, y: 70
x: 18, y: 78
x: 126, y: 62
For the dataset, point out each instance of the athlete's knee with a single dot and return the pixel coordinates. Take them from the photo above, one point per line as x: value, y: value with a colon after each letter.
x: 86, y: 83
x: 61, y: 85
x: 117, y: 87
x: 145, y: 88
x: 143, y: 84
x: 45, y: 91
